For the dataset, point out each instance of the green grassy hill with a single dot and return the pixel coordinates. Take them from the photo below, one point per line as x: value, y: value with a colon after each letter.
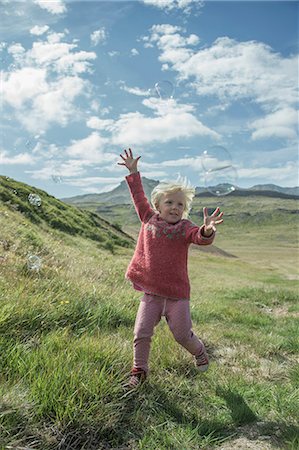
x: 55, y: 215
x: 66, y: 334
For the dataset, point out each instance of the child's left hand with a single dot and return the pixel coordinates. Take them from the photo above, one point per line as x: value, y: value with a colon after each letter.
x: 211, y: 221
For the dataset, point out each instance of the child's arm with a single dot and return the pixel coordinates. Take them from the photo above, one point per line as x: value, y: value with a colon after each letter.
x: 206, y: 233
x: 141, y: 203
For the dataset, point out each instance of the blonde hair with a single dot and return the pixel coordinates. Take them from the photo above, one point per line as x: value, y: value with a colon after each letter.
x: 170, y: 187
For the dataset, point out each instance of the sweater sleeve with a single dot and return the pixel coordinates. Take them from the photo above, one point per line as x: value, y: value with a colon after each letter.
x: 194, y: 235
x: 140, y: 201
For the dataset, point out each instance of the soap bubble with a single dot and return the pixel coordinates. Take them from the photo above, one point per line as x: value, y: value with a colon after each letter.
x: 34, y: 199
x: 164, y: 89
x: 34, y: 262
x: 220, y: 174
x: 152, y: 92
x: 32, y: 142
x: 153, y: 96
x: 221, y: 181
x: 57, y: 178
x: 215, y: 158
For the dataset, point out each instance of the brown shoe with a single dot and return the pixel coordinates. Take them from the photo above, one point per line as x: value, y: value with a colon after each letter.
x: 137, y: 377
x: 202, y: 361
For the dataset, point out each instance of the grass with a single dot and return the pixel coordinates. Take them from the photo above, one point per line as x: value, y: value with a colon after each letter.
x: 66, y: 344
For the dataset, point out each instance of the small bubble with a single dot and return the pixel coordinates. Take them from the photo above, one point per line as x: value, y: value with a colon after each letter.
x: 29, y: 144
x: 57, y: 178
x: 12, y: 67
x: 34, y: 199
x: 164, y: 89
x: 32, y: 142
x: 34, y: 262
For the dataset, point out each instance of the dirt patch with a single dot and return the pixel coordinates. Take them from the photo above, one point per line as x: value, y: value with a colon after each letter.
x: 246, y: 444
x: 255, y: 437
x: 284, y: 312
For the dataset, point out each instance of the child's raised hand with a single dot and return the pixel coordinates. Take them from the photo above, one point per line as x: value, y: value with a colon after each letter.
x: 129, y: 161
x: 211, y: 221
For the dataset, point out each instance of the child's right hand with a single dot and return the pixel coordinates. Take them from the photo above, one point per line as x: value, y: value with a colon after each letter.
x: 129, y: 161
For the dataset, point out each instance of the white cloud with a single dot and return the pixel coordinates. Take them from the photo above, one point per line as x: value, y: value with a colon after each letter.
x: 39, y: 30
x: 169, y: 5
x: 57, y: 104
x: 21, y: 158
x: 134, y: 90
x: 91, y: 150
x: 282, y: 124
x: 23, y: 85
x: 45, y: 85
x: 16, y: 50
x: 53, y: 38
x: 286, y: 174
x: 99, y: 124
x: 134, y: 52
x: 98, y: 36
x: 59, y: 56
x: 234, y: 71
x: 52, y: 6
x: 173, y: 46
x: 70, y: 168
x: 172, y: 122
x: 87, y: 181
x: 39, y: 103
x: 113, y: 53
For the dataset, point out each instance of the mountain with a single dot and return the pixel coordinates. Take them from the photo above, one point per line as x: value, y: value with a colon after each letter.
x: 47, y: 211
x: 120, y: 195
x: 265, y: 190
x: 273, y: 187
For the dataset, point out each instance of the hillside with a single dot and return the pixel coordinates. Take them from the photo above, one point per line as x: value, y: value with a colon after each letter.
x: 66, y: 334
x: 55, y: 214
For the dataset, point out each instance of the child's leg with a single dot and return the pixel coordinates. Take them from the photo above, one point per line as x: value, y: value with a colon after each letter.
x: 178, y: 318
x: 148, y: 316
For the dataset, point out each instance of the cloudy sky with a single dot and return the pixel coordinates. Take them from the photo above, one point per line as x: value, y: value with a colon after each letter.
x: 81, y: 81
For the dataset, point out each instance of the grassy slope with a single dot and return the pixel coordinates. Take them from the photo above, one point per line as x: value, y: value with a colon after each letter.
x: 66, y: 343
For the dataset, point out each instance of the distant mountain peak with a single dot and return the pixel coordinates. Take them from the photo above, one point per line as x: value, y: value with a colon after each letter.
x: 121, y: 194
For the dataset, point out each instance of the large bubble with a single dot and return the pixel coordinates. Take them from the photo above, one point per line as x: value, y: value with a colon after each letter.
x: 216, y: 157
x: 220, y: 175
x: 164, y: 89
x: 221, y: 181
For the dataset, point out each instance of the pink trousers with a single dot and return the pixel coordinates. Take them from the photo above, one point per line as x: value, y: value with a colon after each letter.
x: 177, y: 314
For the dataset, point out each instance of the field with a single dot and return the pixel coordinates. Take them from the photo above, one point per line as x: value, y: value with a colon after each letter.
x: 66, y: 339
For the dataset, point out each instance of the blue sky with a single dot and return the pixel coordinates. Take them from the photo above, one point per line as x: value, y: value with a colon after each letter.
x: 78, y: 86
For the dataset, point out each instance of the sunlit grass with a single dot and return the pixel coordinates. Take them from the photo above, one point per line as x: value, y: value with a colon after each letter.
x: 66, y: 350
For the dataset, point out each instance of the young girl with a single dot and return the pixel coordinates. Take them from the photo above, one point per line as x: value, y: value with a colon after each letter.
x: 159, y: 265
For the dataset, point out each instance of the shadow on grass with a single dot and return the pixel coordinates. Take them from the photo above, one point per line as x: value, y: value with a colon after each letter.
x: 251, y: 427
x: 163, y: 405
x: 240, y: 411
x: 150, y: 403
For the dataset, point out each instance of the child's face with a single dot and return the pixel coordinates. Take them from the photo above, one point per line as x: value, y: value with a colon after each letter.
x: 171, y: 207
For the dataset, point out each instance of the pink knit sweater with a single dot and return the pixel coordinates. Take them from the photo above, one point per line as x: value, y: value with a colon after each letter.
x: 159, y: 263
